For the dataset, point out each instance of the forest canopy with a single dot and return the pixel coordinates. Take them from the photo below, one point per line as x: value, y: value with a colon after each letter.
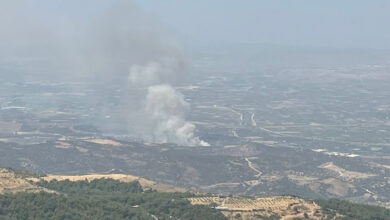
x: 101, y: 199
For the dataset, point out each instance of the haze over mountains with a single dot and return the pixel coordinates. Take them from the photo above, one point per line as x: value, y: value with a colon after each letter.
x: 107, y: 89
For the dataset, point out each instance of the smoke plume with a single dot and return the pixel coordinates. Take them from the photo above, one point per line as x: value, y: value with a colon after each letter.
x: 108, y: 44
x: 164, y: 108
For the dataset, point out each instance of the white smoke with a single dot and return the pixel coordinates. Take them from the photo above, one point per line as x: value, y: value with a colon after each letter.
x: 103, y: 43
x: 144, y: 75
x: 164, y: 107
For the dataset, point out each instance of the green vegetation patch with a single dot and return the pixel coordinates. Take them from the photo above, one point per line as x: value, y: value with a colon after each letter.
x: 352, y: 211
x: 101, y: 199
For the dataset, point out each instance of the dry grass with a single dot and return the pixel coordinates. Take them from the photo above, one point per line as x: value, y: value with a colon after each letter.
x: 11, y: 183
x: 145, y: 183
x: 287, y: 207
x: 253, y: 208
x: 345, y: 174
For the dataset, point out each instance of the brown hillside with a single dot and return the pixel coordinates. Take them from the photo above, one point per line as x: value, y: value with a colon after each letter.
x: 286, y: 207
x: 145, y: 183
x: 10, y: 182
x: 238, y: 208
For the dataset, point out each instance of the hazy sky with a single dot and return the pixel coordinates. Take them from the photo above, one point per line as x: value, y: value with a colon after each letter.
x: 326, y: 23
x: 330, y: 23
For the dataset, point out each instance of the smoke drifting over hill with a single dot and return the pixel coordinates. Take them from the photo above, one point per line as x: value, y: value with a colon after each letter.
x: 113, y: 43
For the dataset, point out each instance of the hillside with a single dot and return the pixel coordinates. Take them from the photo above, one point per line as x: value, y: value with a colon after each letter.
x: 130, y: 197
x: 247, y: 169
x: 145, y: 183
x: 95, y: 198
x: 12, y: 182
x: 283, y: 207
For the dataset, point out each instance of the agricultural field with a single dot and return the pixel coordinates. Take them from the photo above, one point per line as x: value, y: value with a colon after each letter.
x: 58, y: 197
x: 272, y: 130
x: 286, y: 207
